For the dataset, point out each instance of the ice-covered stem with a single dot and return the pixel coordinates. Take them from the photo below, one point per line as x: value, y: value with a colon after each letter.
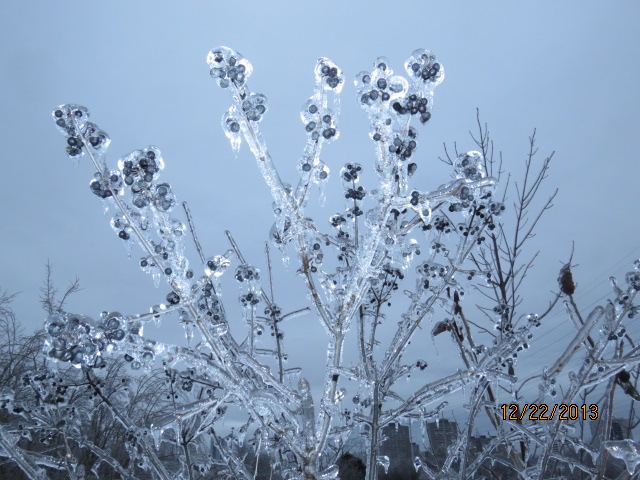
x: 69, y: 459
x: 192, y: 229
x: 606, y: 423
x: 437, y: 390
x: 182, y: 431
x: 275, y: 316
x: 234, y: 464
x: 462, y: 445
x: 574, y: 346
x: 485, y: 385
x: 611, y: 322
x: 243, y: 119
x: 244, y: 116
x: 231, y: 70
x: 187, y: 455
x: 155, y: 462
x: 274, y: 319
x: 403, y: 336
x: 26, y: 464
x: 489, y: 452
x: 372, y: 447
x: 325, y: 315
x: 321, y: 126
x: 105, y: 457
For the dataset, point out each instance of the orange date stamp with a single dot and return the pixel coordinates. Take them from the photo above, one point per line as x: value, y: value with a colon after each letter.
x: 532, y: 411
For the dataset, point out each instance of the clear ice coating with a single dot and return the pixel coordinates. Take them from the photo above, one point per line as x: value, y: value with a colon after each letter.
x: 422, y: 67
x: 380, y: 87
x: 394, y: 264
x: 330, y: 74
x: 470, y: 165
x: 73, y: 122
x: 625, y: 450
x: 228, y: 67
x: 384, y: 462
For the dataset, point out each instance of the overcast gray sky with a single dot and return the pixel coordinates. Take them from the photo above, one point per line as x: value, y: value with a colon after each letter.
x: 569, y: 69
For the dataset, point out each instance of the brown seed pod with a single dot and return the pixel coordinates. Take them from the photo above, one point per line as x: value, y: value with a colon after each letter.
x: 441, y: 327
x: 566, y: 280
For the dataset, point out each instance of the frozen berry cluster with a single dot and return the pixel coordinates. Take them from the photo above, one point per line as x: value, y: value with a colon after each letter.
x: 141, y: 166
x: 73, y: 122
x: 249, y: 300
x: 351, y: 172
x: 337, y: 220
x: 413, y: 104
x: 330, y: 74
x: 228, y: 67
x: 470, y: 165
x: 319, y: 121
x: 247, y: 273
x: 439, y: 223
x: 355, y: 193
x: 78, y: 340
x: 422, y: 66
x: 104, y: 186
x: 404, y: 147
x: 162, y: 197
x: 377, y: 88
x: 431, y: 274
x: 254, y: 107
x: 633, y: 280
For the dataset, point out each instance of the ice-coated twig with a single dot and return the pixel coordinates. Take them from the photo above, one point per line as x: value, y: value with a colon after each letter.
x: 105, y: 457
x: 26, y: 464
x: 158, y: 467
x: 192, y: 229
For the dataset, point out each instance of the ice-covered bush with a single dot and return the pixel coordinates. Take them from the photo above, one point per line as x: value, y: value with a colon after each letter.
x: 426, y: 247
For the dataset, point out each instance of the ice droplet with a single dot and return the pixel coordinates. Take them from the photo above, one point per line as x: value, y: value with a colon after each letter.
x: 219, y: 329
x: 321, y: 177
x: 310, y: 111
x: 231, y: 127
x: 216, y: 266
x: 384, y: 461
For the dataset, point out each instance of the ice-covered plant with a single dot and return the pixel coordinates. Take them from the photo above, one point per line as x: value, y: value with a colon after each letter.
x: 422, y: 247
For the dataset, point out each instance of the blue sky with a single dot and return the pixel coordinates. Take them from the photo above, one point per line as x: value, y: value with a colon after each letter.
x: 569, y: 69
